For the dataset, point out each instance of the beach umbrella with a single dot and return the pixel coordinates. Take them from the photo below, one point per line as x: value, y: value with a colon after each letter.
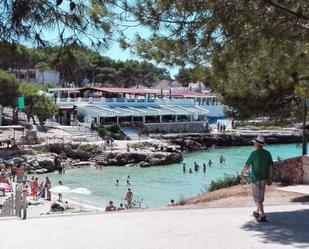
x: 5, y: 186
x: 81, y: 191
x: 60, y: 189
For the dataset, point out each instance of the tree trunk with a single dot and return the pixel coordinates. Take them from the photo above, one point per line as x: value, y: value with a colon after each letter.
x: 15, y: 115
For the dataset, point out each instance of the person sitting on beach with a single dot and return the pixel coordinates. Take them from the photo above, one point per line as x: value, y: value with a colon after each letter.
x: 190, y: 171
x: 110, y: 207
x: 129, y: 197
x: 121, y: 207
x: 222, y: 159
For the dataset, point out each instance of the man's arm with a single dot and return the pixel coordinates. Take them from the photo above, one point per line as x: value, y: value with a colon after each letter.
x: 244, y: 170
x: 270, y: 175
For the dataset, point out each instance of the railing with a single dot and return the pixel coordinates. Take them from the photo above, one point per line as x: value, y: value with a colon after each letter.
x: 15, y: 205
x: 110, y: 101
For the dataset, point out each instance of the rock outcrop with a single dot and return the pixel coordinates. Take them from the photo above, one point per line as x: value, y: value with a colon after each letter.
x: 141, y: 159
x: 196, y: 142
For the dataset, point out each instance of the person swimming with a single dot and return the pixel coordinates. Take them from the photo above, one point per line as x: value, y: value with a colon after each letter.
x: 222, y: 159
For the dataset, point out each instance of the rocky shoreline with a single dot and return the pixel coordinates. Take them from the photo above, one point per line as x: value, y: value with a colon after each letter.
x: 39, y: 159
x: 160, y: 150
x: 197, y: 141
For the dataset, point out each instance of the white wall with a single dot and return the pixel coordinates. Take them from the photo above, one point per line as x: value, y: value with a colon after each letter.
x: 48, y: 76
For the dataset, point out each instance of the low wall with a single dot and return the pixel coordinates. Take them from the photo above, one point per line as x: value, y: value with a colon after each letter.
x: 194, y: 127
x: 292, y: 171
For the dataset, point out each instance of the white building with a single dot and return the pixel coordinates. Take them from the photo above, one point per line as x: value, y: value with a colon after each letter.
x: 155, y: 109
x: 37, y: 76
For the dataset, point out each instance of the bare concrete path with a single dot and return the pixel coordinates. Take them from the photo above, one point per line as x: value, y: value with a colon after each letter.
x: 228, y: 228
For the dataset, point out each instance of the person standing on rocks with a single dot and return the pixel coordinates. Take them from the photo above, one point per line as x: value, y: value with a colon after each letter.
x: 260, y: 162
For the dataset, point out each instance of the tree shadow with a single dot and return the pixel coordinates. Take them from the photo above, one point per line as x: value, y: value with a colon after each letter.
x: 302, y: 199
x: 287, y: 228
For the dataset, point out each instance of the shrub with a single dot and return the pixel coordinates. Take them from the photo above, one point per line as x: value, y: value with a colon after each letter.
x: 225, y: 182
x: 80, y: 117
x: 111, y: 132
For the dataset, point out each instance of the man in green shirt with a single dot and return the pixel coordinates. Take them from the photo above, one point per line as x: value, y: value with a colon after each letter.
x: 260, y: 162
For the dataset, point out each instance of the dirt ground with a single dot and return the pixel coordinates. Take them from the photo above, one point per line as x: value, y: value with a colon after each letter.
x: 240, y: 196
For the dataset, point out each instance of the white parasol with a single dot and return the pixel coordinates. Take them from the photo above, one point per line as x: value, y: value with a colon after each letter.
x: 60, y: 189
x: 81, y: 191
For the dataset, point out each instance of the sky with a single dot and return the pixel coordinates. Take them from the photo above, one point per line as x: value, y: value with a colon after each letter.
x: 114, y: 51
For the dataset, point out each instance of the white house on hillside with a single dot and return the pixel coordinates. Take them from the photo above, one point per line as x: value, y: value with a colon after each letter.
x: 37, y: 76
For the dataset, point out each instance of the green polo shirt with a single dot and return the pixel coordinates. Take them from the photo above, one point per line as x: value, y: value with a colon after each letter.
x: 259, y: 161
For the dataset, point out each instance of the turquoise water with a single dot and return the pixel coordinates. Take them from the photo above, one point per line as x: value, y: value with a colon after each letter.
x: 158, y: 185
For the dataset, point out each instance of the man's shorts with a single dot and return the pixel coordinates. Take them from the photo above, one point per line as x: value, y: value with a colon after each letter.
x: 258, y: 191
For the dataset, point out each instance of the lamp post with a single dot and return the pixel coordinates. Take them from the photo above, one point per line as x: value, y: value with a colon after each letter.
x: 55, y: 97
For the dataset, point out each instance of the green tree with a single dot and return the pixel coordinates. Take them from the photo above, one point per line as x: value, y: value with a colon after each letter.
x: 31, y: 94
x: 73, y: 22
x: 184, y: 76
x: 9, y: 92
x: 44, y: 109
x: 256, y: 50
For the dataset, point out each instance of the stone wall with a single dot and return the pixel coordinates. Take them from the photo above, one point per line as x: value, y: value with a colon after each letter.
x: 306, y: 169
x: 292, y: 171
x: 194, y: 127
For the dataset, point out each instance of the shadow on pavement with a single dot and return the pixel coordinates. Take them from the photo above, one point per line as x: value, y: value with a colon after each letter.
x: 287, y: 228
x: 302, y: 199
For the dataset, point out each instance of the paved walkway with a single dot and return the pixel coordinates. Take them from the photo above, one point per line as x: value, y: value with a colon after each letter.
x: 163, y: 229
x: 302, y: 189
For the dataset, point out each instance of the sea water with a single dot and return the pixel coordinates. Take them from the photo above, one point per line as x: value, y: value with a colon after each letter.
x: 156, y: 186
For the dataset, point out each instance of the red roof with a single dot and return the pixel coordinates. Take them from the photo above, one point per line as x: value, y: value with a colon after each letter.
x: 186, y: 93
x: 124, y: 90
x: 178, y: 92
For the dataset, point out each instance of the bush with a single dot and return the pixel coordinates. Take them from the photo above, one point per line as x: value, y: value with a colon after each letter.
x: 80, y: 117
x: 225, y: 182
x: 112, y: 132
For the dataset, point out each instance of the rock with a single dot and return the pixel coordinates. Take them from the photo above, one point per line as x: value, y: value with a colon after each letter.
x: 162, y: 158
x: 130, y: 165
x: 38, y: 171
x: 18, y: 160
x: 191, y: 145
x: 46, y: 161
x: 83, y: 164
